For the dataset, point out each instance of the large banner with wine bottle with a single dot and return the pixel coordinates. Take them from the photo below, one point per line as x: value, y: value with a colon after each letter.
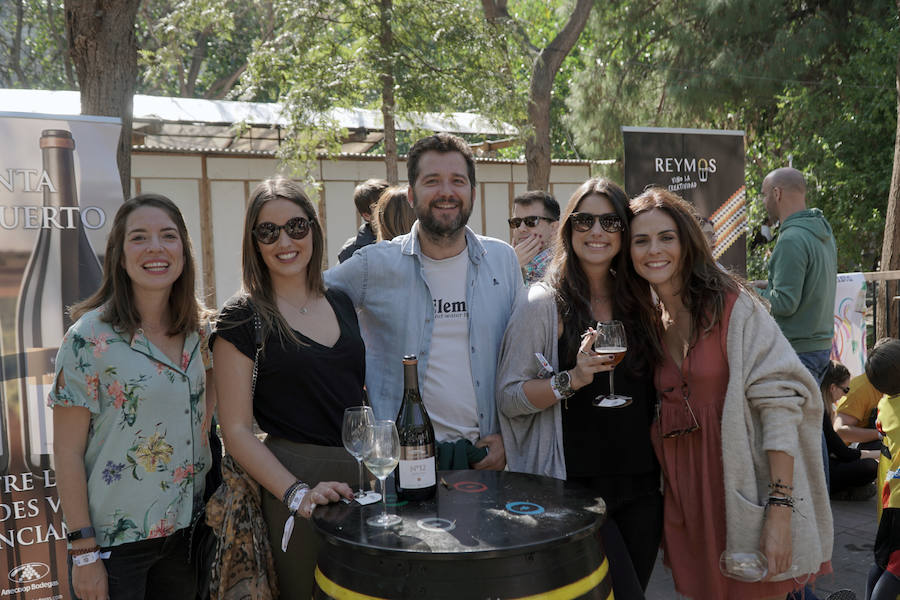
x: 59, y: 189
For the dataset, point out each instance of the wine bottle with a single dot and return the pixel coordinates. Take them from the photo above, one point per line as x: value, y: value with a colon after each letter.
x: 416, y: 478
x: 62, y: 270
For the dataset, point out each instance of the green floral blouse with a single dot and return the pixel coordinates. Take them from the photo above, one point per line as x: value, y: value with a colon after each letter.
x: 147, y: 451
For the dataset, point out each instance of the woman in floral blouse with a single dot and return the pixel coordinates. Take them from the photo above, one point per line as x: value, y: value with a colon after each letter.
x: 132, y: 406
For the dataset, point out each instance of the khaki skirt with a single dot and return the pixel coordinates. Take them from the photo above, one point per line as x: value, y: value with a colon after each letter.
x: 310, y: 464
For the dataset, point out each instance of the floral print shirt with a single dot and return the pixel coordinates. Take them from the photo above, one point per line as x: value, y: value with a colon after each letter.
x: 147, y: 451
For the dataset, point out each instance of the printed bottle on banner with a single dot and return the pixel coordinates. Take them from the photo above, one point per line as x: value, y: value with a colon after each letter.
x: 62, y: 270
x: 4, y: 401
x: 416, y: 474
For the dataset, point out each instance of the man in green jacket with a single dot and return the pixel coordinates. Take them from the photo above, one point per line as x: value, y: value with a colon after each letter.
x: 802, y: 270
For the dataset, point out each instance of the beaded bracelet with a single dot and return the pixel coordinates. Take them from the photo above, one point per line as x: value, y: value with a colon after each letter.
x: 787, y: 501
x: 778, y: 486
x: 288, y: 493
x: 79, y: 551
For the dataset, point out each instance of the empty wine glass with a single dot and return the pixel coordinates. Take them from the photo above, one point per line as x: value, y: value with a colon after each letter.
x: 381, y: 453
x: 611, y: 340
x: 357, y: 420
x: 749, y: 566
x: 744, y: 566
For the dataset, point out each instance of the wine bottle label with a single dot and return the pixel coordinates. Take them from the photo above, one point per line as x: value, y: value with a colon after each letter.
x: 417, y: 474
x: 40, y: 422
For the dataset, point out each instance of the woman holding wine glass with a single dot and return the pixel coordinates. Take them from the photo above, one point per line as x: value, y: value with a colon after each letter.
x: 310, y: 369
x: 738, y: 434
x: 549, y: 422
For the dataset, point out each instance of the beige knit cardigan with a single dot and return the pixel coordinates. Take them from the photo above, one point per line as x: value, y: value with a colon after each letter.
x: 772, y: 403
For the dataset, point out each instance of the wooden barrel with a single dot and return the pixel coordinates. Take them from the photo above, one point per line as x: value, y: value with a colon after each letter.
x: 486, y: 534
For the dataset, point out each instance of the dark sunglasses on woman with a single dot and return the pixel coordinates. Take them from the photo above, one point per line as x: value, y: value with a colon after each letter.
x: 530, y: 221
x: 297, y: 228
x: 610, y: 222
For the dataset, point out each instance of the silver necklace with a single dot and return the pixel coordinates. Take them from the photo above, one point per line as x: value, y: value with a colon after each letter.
x: 300, y: 309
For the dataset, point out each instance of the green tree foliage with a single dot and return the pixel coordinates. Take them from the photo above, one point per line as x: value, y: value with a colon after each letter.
x: 33, y: 47
x: 810, y: 83
x: 200, y: 48
x: 327, y: 55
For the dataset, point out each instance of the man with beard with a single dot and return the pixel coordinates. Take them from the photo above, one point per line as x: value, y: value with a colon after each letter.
x: 440, y: 292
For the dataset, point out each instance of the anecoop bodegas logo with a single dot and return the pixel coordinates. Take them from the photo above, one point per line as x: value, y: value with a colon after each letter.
x: 29, y: 572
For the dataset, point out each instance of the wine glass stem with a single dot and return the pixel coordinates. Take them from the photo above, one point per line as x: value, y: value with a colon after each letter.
x: 383, y: 500
x: 612, y: 388
x: 359, y: 465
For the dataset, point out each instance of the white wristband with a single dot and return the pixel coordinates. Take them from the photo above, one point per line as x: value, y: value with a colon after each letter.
x: 297, y: 498
x: 82, y: 560
x: 553, y: 388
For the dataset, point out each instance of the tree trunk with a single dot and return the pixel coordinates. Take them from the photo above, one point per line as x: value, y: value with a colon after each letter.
x: 103, y: 48
x: 388, y: 103
x: 543, y: 72
x: 890, y: 248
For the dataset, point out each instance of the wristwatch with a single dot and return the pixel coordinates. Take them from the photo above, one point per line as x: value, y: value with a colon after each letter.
x: 78, y: 534
x: 561, y: 384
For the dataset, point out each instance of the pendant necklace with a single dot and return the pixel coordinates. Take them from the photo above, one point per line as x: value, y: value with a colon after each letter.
x: 300, y: 309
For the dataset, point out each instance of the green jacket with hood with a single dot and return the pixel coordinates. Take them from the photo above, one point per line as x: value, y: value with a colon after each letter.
x: 802, y: 280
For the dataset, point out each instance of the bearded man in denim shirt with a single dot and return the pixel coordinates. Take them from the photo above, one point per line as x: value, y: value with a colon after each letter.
x: 440, y: 292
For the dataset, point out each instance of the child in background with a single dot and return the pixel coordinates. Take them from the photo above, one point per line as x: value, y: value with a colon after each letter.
x: 883, y: 371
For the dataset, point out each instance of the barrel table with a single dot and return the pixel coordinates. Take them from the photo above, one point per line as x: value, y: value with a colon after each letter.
x: 485, y: 535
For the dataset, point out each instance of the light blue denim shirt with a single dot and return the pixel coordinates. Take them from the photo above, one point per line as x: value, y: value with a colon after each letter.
x: 386, y: 282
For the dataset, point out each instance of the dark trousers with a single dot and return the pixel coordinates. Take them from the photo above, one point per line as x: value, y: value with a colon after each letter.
x: 634, y: 504
x: 851, y: 474
x: 150, y: 569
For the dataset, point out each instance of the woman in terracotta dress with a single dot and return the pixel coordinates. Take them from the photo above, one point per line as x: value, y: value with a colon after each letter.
x: 738, y: 432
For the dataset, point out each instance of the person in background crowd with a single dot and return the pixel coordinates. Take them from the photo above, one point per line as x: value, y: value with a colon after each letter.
x: 853, y: 471
x: 883, y: 370
x: 738, y: 433
x: 440, y: 292
x: 549, y: 423
x: 311, y: 367
x: 857, y: 410
x: 393, y: 214
x: 534, y: 223
x: 132, y: 391
x: 802, y: 270
x: 365, y: 196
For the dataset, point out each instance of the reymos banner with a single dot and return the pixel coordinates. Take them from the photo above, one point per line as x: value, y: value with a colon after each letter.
x: 706, y: 168
x: 59, y: 189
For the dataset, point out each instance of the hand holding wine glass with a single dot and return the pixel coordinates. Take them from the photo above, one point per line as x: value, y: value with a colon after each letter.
x: 611, y: 340
x: 357, y: 421
x: 381, y: 453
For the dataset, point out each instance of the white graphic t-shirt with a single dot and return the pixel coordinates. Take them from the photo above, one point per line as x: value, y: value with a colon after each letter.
x: 448, y: 392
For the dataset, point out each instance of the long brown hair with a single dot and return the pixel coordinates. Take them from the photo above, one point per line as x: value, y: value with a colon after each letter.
x: 116, y: 295
x: 257, y: 282
x: 393, y: 215
x: 703, y: 284
x: 631, y: 300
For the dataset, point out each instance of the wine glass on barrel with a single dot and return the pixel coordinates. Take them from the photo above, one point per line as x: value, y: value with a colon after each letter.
x: 611, y: 340
x: 357, y: 420
x: 381, y: 453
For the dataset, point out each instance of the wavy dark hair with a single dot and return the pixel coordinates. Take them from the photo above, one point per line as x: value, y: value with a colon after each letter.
x: 257, y: 282
x: 703, y: 284
x: 631, y: 299
x: 116, y: 294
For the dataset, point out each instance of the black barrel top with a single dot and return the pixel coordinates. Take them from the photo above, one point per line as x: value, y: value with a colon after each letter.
x: 475, y: 514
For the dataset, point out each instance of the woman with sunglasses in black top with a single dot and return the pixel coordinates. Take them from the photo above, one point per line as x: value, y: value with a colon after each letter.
x: 738, y: 433
x: 550, y: 425
x: 311, y: 367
